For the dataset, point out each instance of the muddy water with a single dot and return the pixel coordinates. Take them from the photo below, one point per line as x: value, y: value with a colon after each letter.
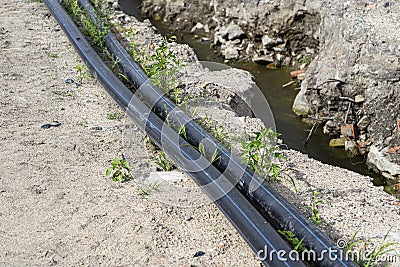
x: 294, y: 131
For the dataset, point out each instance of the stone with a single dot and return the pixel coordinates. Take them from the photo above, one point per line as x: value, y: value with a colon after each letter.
x: 362, y: 147
x: 303, y: 66
x: 388, y: 176
x: 332, y: 128
x: 286, y: 61
x: 339, y: 142
x: 232, y: 31
x: 310, y: 51
x: 350, y: 146
x: 218, y: 39
x: 301, y: 76
x: 198, y: 26
x: 295, y: 73
x: 230, y: 52
x: 250, y: 49
x: 363, y: 123
x: 359, y: 99
x: 376, y: 159
x: 280, y: 57
x: 393, y: 150
x: 301, y: 106
x: 348, y: 131
x: 269, y: 42
x: 264, y: 60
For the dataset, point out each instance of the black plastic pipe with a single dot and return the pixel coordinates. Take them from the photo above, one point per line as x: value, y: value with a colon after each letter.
x: 270, y: 203
x: 253, y: 227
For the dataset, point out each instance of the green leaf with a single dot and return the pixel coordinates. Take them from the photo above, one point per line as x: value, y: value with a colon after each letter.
x: 108, y: 172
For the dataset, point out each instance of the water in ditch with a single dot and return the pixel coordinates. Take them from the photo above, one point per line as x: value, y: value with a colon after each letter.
x: 294, y: 131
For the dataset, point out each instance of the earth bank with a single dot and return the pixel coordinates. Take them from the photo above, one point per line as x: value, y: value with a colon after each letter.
x: 352, y: 83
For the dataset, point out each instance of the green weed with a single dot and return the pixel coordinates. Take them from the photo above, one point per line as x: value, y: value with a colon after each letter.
x: 215, y: 129
x: 305, y: 59
x: 162, y: 65
x: 145, y: 191
x: 114, y: 116
x: 367, y: 255
x: 162, y: 161
x: 262, y: 154
x: 182, y: 131
x: 72, y: 7
x: 83, y: 73
x: 293, y: 240
x: 214, y: 157
x: 119, y: 170
x: 315, y: 213
x: 90, y: 28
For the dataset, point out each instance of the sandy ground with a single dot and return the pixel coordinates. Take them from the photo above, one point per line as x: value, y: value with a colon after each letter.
x: 59, y: 209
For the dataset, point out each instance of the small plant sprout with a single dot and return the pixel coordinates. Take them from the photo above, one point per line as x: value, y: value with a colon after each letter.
x: 367, y: 255
x: 377, y: 251
x: 82, y: 71
x: 262, y: 154
x: 72, y: 7
x: 305, y: 59
x: 162, y: 65
x: 114, y: 116
x: 119, y: 170
x: 214, y: 157
x: 182, y: 131
x: 293, y: 240
x: 315, y: 213
x: 144, y: 191
x: 162, y: 161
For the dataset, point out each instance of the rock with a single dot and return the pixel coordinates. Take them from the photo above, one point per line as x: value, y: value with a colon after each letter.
x: 310, y: 51
x: 301, y: 76
x: 232, y: 31
x: 332, y: 128
x: 377, y: 160
x: 350, y: 146
x: 295, y: 73
x: 362, y: 147
x: 280, y: 57
x: 301, y: 106
x: 393, y: 150
x: 218, y: 39
x: 340, y: 142
x: 388, y: 176
x: 359, y: 99
x: 363, y: 123
x: 348, y: 131
x: 250, y: 49
x: 198, y: 26
x: 286, y: 61
x: 230, y: 52
x: 303, y: 66
x: 264, y: 60
x: 199, y: 254
x: 269, y: 42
